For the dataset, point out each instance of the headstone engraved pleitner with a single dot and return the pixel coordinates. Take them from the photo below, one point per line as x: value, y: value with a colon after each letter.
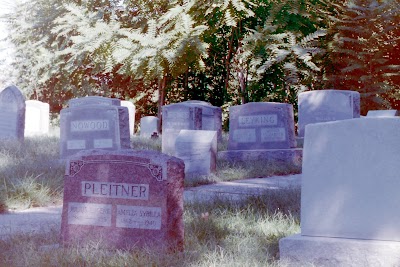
x: 37, y: 118
x: 148, y: 126
x: 131, y: 110
x: 12, y: 114
x: 383, y: 113
x: 349, y: 195
x: 188, y: 115
x: 327, y: 105
x: 261, y: 125
x: 93, y: 123
x: 125, y: 199
x: 198, y: 149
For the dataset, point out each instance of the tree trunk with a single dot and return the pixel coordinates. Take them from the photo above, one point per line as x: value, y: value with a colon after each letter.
x: 161, y: 98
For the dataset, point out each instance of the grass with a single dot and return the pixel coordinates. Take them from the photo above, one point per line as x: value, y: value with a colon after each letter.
x: 216, y: 234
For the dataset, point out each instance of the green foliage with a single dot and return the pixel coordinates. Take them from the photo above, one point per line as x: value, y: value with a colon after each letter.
x: 364, y: 51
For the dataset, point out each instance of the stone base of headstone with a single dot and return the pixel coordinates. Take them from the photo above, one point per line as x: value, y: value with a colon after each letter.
x: 288, y: 156
x: 298, y: 250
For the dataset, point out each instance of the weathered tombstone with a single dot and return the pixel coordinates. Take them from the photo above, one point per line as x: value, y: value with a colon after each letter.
x: 327, y: 105
x: 149, y: 126
x: 349, y: 195
x: 198, y: 149
x: 12, y: 114
x: 125, y: 199
x: 261, y: 125
x: 131, y: 109
x: 37, y: 118
x: 93, y: 123
x: 382, y: 113
x: 188, y: 115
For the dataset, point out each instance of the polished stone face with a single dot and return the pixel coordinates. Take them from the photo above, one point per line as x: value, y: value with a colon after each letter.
x: 350, y: 183
x: 93, y: 123
x: 12, y: 114
x: 124, y: 199
x: 261, y: 125
x: 327, y: 105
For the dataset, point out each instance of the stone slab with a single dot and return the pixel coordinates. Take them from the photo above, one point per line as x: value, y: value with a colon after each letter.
x: 351, y: 179
x: 37, y: 118
x: 94, y: 100
x: 131, y: 111
x: 198, y: 149
x: 300, y: 250
x: 382, y: 113
x: 261, y: 125
x: 124, y: 199
x: 148, y: 126
x: 12, y: 114
x: 327, y: 105
x: 290, y: 156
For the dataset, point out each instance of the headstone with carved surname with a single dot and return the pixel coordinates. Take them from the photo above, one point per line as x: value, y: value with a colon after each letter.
x: 327, y: 105
x: 125, y: 199
x: 198, y: 149
x: 93, y: 126
x: 12, y: 114
x: 131, y: 110
x: 37, y: 118
x: 261, y: 125
x: 148, y: 126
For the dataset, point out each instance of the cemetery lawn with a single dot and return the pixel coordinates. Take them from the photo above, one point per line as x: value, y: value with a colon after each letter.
x: 216, y: 234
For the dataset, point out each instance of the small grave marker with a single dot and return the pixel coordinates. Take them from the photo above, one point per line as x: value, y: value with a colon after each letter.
x: 125, y: 199
x: 148, y: 126
x: 131, y: 110
x: 383, y: 113
x: 198, y: 149
x: 37, y: 118
x: 12, y: 114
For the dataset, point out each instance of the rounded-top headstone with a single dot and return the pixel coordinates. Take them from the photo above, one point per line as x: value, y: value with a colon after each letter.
x: 12, y: 113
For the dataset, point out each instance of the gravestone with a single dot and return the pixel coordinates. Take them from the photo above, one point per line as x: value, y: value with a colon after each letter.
x: 124, y: 199
x: 349, y: 195
x: 131, y: 110
x: 382, y: 113
x: 148, y: 126
x: 261, y: 125
x: 198, y: 149
x: 37, y: 118
x: 188, y: 115
x: 327, y: 105
x: 12, y: 114
x: 93, y: 123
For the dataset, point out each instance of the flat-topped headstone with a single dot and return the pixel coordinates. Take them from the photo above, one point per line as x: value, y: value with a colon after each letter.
x: 94, y: 100
x: 12, y: 114
x: 327, y: 105
x: 198, y: 149
x: 37, y: 118
x: 383, y: 113
x: 261, y: 125
x: 124, y: 199
x: 149, y: 126
x: 349, y: 195
x: 93, y: 126
x: 131, y: 110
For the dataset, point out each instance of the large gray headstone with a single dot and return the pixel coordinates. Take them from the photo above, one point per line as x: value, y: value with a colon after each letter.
x: 131, y: 110
x: 327, y: 105
x: 188, y: 115
x: 149, y: 126
x: 124, y: 199
x: 198, y: 149
x: 37, y: 118
x: 93, y: 126
x: 12, y: 114
x: 349, y: 195
x: 261, y: 125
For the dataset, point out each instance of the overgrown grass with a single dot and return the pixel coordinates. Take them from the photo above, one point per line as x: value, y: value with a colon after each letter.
x: 216, y: 234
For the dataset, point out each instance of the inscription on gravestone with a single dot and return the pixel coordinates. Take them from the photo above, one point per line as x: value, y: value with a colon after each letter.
x: 125, y: 198
x: 261, y: 125
x: 12, y: 114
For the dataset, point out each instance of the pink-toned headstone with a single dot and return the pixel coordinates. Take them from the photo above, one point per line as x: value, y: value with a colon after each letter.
x: 124, y: 199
